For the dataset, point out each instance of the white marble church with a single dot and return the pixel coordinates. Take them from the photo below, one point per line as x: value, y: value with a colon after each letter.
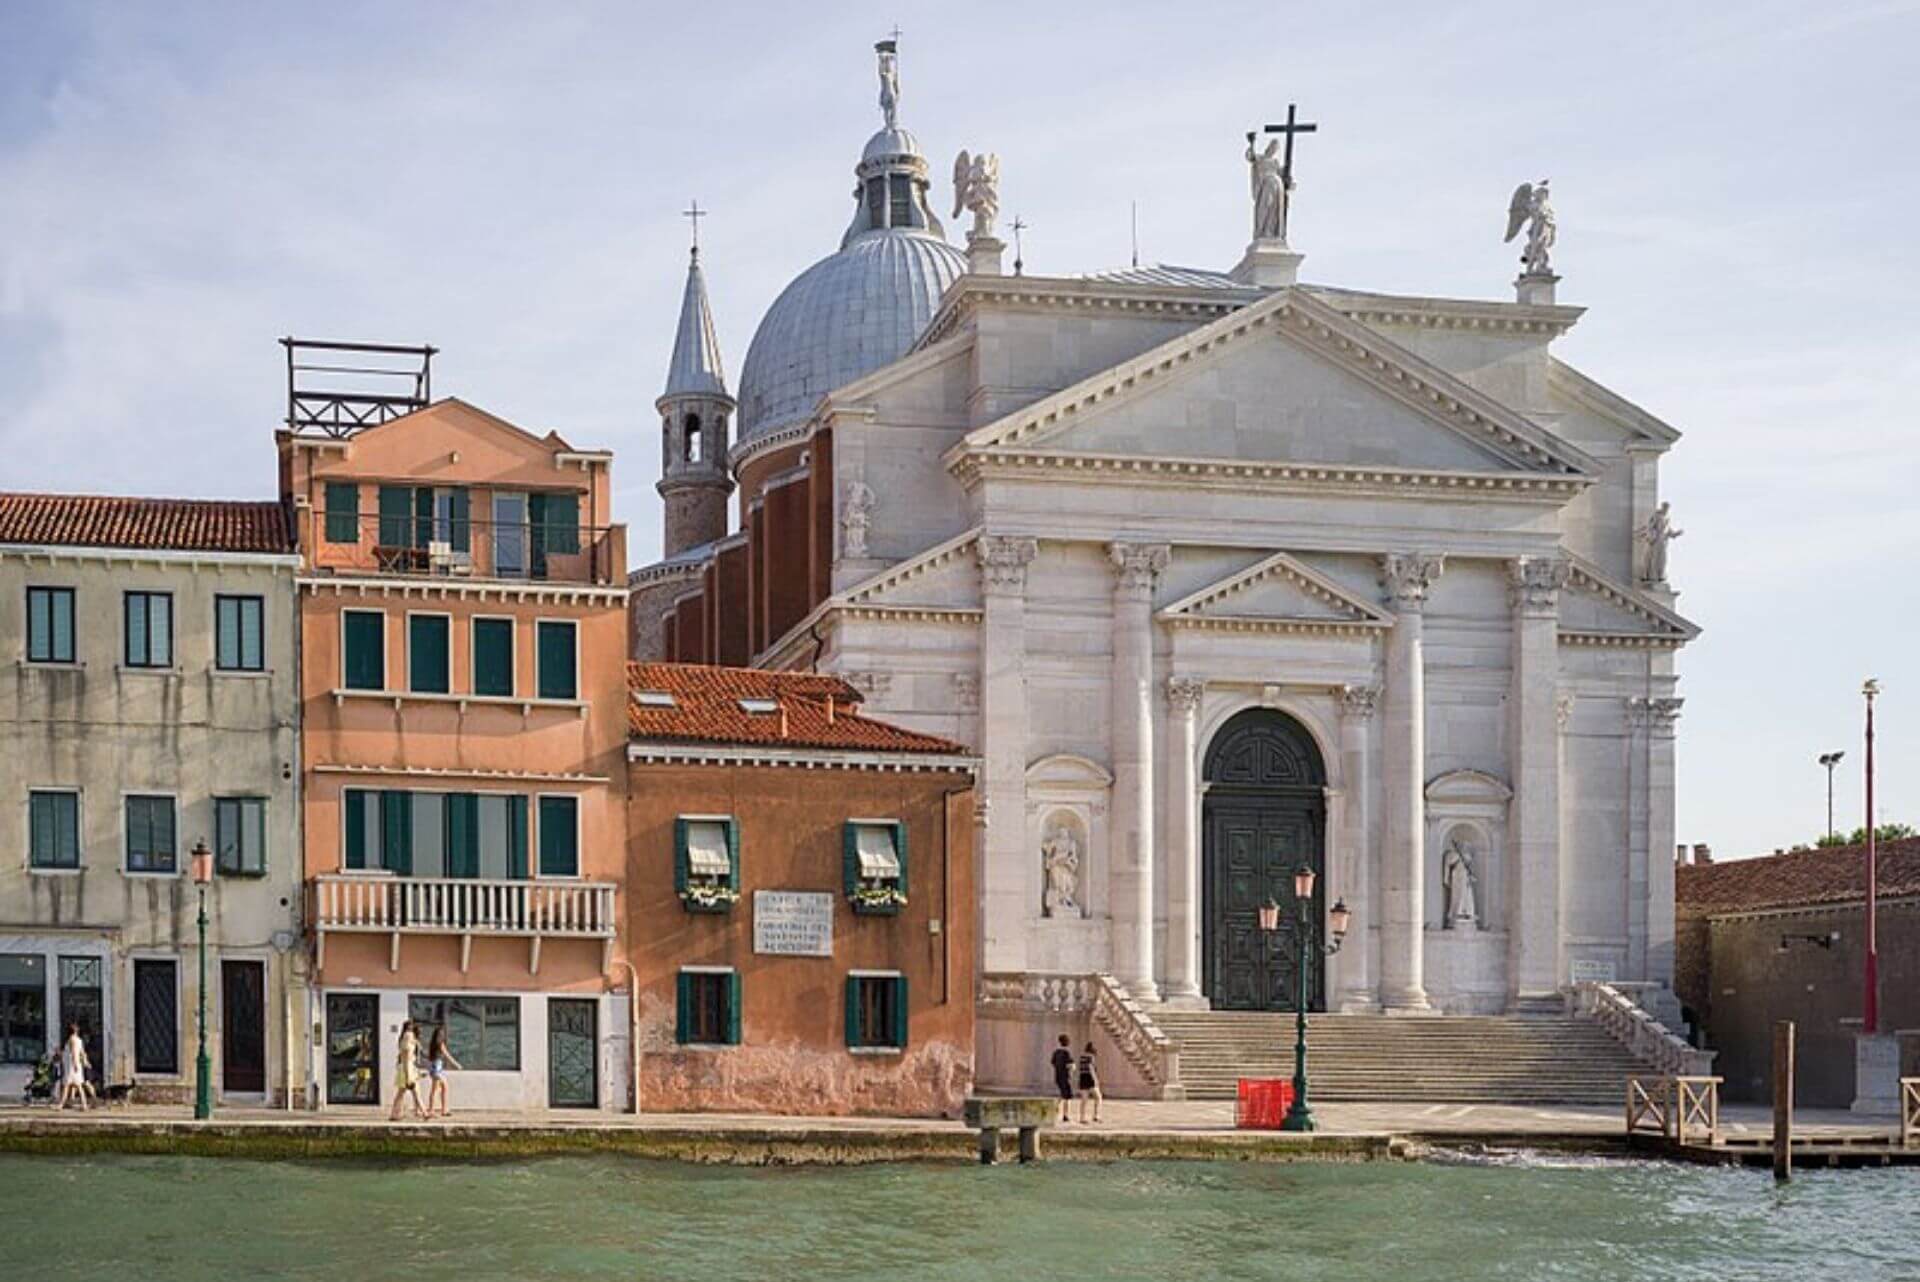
x: 1221, y: 573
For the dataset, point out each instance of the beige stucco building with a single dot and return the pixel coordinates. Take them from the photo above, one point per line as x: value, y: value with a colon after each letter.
x: 148, y: 705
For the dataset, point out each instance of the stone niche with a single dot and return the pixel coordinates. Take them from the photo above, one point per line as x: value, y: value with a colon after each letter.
x: 1067, y: 804
x: 1466, y: 965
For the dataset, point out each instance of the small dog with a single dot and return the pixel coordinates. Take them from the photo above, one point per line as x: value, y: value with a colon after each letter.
x: 120, y: 1093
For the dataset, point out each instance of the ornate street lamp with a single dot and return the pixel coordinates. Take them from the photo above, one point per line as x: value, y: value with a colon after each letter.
x: 201, y: 862
x: 1300, y: 1117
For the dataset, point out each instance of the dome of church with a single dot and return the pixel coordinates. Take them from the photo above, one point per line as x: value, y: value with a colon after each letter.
x: 861, y: 308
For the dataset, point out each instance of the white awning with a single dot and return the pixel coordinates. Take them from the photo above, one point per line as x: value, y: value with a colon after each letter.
x: 877, y: 855
x: 707, y: 849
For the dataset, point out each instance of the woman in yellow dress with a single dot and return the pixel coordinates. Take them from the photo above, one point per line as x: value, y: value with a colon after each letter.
x: 406, y: 1073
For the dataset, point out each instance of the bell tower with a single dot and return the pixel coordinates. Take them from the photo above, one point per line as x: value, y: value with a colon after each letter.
x: 695, y: 411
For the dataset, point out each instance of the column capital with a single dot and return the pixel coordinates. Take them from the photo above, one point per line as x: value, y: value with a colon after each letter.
x: 1534, y: 584
x: 1183, y: 695
x: 1358, y: 702
x: 1003, y: 562
x: 1137, y: 566
x: 1657, y: 714
x: 1406, y: 576
x: 1563, y: 709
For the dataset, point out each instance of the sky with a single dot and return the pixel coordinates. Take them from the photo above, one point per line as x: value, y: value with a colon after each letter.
x: 182, y: 184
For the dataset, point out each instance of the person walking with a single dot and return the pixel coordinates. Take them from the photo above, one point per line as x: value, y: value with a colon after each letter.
x: 439, y: 1055
x: 406, y: 1073
x: 73, y: 1069
x: 1063, y: 1076
x: 1089, y: 1084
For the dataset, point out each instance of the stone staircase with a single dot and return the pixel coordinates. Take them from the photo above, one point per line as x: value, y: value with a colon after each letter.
x: 1468, y: 1059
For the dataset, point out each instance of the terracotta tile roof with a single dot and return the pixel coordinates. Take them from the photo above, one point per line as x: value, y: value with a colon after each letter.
x: 1836, y: 874
x: 706, y: 709
x: 110, y: 521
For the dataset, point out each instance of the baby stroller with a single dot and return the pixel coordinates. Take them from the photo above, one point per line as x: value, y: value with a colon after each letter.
x: 45, y: 1076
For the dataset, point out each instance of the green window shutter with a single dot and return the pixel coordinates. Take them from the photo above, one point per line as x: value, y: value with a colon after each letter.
x: 733, y: 853
x: 555, y: 650
x: 563, y: 524
x: 463, y: 834
x: 356, y: 828
x: 733, y: 1008
x: 423, y: 516
x: 853, y: 1010
x: 850, y: 856
x: 559, y: 837
x: 396, y: 829
x: 364, y: 663
x: 396, y: 516
x: 343, y: 512
x: 457, y: 521
x: 493, y: 657
x: 427, y: 654
x: 683, y: 1008
x: 679, y: 856
x: 517, y: 837
x: 900, y: 851
x: 899, y: 1029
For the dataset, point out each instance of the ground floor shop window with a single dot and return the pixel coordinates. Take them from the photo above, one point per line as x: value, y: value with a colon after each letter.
x: 482, y: 1032
x: 353, y: 1048
x: 156, y: 1017
x: 23, y: 1008
x: 876, y: 1010
x: 707, y: 1009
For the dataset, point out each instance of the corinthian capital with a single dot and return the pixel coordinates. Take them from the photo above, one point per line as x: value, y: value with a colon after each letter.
x: 1358, y: 702
x: 1534, y: 583
x: 1183, y: 695
x: 1003, y: 562
x: 1137, y: 566
x: 1406, y: 576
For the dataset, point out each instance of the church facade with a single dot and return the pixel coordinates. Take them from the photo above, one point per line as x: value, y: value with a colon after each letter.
x: 1220, y: 573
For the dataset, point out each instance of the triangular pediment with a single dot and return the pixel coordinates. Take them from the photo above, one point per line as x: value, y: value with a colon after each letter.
x: 409, y: 444
x: 1285, y: 380
x: 1597, y: 608
x: 945, y: 576
x: 1277, y: 591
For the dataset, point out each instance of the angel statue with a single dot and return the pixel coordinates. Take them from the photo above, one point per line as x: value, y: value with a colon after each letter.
x: 1060, y: 858
x: 889, y: 81
x: 1530, y: 206
x: 976, y: 188
x: 1272, y: 187
x: 1656, y: 534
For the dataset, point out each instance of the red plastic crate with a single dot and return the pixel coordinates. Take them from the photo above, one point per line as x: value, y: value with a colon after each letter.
x: 1262, y: 1103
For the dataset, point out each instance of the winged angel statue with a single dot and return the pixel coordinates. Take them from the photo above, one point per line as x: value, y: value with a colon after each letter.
x: 976, y: 188
x: 1531, y: 206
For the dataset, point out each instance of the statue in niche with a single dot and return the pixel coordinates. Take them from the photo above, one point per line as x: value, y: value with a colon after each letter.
x: 1060, y: 856
x: 1457, y: 877
x: 856, y: 516
x: 1656, y: 534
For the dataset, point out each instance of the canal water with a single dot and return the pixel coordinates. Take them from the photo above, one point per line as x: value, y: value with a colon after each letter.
x: 138, y: 1218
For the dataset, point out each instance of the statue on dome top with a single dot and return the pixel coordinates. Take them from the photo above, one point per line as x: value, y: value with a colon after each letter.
x: 889, y: 81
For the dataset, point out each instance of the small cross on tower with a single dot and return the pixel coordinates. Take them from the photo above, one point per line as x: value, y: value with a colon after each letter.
x: 693, y: 214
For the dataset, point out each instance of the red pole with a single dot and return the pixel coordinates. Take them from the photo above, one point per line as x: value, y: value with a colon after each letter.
x: 1870, y: 1020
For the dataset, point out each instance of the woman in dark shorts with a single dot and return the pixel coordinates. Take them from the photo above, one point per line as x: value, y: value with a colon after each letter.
x: 1063, y: 1074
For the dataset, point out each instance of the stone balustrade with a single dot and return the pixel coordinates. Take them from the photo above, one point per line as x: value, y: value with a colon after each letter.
x: 1645, y: 1037
x: 463, y: 906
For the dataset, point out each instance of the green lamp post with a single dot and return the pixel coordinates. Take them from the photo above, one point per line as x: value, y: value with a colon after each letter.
x: 1300, y: 1117
x: 202, y: 864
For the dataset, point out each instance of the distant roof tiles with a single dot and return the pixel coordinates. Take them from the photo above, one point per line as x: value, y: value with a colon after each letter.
x: 1798, y: 878
x: 711, y: 705
x: 111, y: 521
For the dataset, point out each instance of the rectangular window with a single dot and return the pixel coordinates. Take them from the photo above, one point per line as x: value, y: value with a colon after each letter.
x: 707, y: 1008
x: 874, y: 864
x: 150, y: 842
x: 493, y: 657
x: 435, y: 834
x: 556, y: 525
x: 50, y: 625
x: 343, y: 512
x: 240, y: 836
x: 363, y: 641
x: 156, y: 1017
x: 559, y: 837
x: 900, y: 190
x: 706, y: 862
x: 149, y: 629
x: 556, y: 647
x: 23, y: 1008
x: 428, y: 651
x: 396, y: 516
x: 239, y: 633
x: 53, y: 829
x: 482, y: 1032
x: 876, y: 1011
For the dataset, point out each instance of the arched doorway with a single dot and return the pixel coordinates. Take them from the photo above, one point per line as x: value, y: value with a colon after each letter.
x: 1265, y: 815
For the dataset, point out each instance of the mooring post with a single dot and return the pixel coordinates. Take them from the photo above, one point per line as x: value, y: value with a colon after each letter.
x: 1029, y: 1144
x: 1783, y: 1100
x: 989, y: 1145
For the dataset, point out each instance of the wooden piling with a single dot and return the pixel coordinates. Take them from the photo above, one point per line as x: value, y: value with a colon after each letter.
x: 1783, y: 1100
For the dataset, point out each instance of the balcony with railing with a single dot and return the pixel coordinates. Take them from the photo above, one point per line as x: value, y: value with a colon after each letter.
x: 363, y: 904
x: 455, y: 547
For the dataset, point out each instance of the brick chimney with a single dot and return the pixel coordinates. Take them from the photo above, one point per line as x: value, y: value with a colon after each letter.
x: 1702, y: 853
x: 1680, y: 855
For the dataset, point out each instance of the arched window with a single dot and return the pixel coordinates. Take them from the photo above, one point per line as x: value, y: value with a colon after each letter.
x: 691, y: 424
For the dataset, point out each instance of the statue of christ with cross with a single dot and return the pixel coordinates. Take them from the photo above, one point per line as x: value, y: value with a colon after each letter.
x: 1272, y: 178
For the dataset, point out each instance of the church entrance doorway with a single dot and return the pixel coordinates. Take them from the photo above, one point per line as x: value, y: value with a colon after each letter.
x: 1265, y: 814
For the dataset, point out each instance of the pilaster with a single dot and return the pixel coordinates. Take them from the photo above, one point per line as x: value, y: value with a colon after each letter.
x: 1008, y: 870
x: 1536, y: 938
x: 1406, y: 577
x: 1650, y: 888
x: 1358, y: 963
x: 1183, y: 858
x: 1137, y: 568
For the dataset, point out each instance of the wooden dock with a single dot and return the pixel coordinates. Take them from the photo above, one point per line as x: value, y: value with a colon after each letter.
x: 1679, y: 1118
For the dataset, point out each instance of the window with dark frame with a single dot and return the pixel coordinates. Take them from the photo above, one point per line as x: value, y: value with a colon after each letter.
x: 53, y: 829
x: 23, y: 1008
x: 559, y: 837
x: 493, y: 657
x: 429, y: 654
x: 50, y: 625
x: 156, y: 1016
x: 149, y: 627
x: 557, y: 649
x: 150, y: 835
x: 240, y: 836
x: 482, y: 1032
x: 363, y: 653
x: 876, y: 1012
x: 707, y: 1009
x: 343, y: 512
x: 239, y: 634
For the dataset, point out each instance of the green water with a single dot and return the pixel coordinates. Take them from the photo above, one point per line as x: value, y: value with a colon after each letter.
x: 137, y: 1218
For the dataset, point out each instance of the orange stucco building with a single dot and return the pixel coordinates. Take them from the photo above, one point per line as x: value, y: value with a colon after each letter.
x: 462, y: 682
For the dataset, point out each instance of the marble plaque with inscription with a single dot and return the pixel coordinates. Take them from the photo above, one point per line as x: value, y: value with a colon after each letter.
x: 793, y: 923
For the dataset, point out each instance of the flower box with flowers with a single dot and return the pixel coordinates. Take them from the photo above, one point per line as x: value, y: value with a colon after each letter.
x: 877, y: 898
x: 707, y: 897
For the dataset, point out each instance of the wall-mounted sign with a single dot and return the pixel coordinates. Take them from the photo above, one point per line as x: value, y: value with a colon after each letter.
x: 1590, y: 971
x: 793, y: 923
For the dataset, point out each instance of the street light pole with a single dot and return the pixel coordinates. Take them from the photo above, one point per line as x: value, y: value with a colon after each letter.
x: 203, y: 1068
x: 1870, y: 1012
x: 1299, y: 1116
x: 1830, y: 760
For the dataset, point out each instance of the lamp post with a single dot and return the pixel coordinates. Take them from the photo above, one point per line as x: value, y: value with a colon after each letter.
x: 1870, y: 1015
x: 202, y: 864
x: 1300, y: 1117
x: 1830, y: 760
